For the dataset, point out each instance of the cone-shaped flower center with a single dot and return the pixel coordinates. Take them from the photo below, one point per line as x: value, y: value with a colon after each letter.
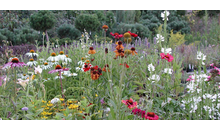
x: 106, y: 50
x: 105, y: 27
x: 15, y: 60
x: 67, y: 56
x: 58, y: 67
x: 127, y: 51
x: 31, y: 59
x: 91, y: 48
x: 94, y: 72
x: 127, y: 35
x: 133, y: 49
x: 129, y: 102
x: 119, y: 43
x: 24, y: 74
x: 61, y: 53
x: 151, y: 114
x: 32, y: 51
x: 83, y: 58
x: 45, y: 63
x: 116, y: 34
x: 53, y: 54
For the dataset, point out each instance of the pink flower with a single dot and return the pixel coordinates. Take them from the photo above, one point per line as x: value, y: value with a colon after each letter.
x: 190, y: 78
x: 136, y: 111
x: 14, y: 63
x: 130, y: 103
x: 151, y: 116
x: 208, y: 78
x: 212, y: 64
x: 116, y: 35
x: 167, y: 57
x: 37, y: 70
x: 58, y: 68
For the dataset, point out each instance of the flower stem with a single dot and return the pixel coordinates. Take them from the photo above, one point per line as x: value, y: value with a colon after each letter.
x: 61, y: 86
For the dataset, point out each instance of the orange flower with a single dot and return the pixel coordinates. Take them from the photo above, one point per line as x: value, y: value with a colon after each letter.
x: 119, y: 52
x: 104, y: 69
x: 119, y: 46
x: 133, y: 51
x: 105, y: 27
x: 91, y: 51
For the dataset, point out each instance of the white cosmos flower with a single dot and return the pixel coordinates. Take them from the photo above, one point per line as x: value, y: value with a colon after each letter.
x: 24, y: 76
x: 168, y: 71
x: 151, y: 68
x: 167, y: 50
x: 163, y: 14
x: 154, y: 78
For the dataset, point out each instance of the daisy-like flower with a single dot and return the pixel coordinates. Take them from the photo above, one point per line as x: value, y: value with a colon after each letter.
x: 67, y: 59
x: 119, y: 46
x: 24, y: 76
x: 167, y: 57
x: 45, y: 66
x: 133, y: 52
x: 53, y: 63
x: 61, y: 56
x: 166, y: 50
x: 151, y: 116
x: 68, y: 73
x: 130, y: 103
x: 154, y: 78
x: 87, y: 67
x: 32, y: 62
x: 46, y: 79
x: 119, y: 52
x: 168, y: 71
x: 53, y: 57
x: 163, y: 14
x: 58, y: 76
x: 151, y: 68
x: 58, y: 68
x: 136, y: 111
x: 31, y: 53
x: 159, y: 37
x: 79, y: 68
x: 14, y: 63
x: 91, y: 50
x: 54, y: 100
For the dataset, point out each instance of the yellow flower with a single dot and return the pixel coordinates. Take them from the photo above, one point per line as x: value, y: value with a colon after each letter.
x: 83, y: 97
x: 80, y: 111
x: 44, y: 117
x: 43, y: 113
x: 96, y: 95
x: 83, y: 109
x: 73, y: 106
x: 44, y: 101
x: 69, y: 101
x: 33, y: 77
x: 49, y: 113
x: 61, y: 99
x: 87, y: 61
x: 32, y: 102
x: 99, y: 111
x: 49, y: 104
x: 43, y: 106
x: 46, y: 108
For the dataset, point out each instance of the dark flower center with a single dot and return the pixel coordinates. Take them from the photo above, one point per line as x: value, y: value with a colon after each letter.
x: 58, y: 67
x: 119, y: 43
x: 15, y: 60
x: 151, y: 114
x: 94, y: 72
x: 91, y: 48
x: 129, y: 102
x: 133, y: 49
x: 61, y: 53
x: 86, y: 66
x: 166, y: 56
x: 53, y: 54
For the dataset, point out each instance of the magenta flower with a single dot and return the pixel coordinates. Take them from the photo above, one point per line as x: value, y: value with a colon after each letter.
x: 167, y: 57
x: 130, y: 103
x: 151, y: 116
x: 136, y: 111
x: 14, y: 63
x: 102, y: 101
x: 212, y: 64
x: 190, y: 78
x: 58, y: 68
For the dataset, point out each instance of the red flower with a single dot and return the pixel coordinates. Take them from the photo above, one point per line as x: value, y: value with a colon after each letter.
x: 133, y: 34
x: 151, y: 116
x: 136, y: 111
x: 87, y: 67
x: 130, y: 103
x: 167, y: 57
x: 116, y: 35
x: 125, y: 64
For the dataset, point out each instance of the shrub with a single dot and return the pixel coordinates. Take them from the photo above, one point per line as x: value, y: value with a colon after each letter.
x: 102, y: 39
x: 67, y: 30
x: 110, y: 20
x: 176, y: 39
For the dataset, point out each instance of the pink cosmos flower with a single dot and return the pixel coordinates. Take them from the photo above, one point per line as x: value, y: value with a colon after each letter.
x: 167, y: 57
x: 151, y: 116
x: 116, y: 35
x: 58, y: 68
x: 130, y: 103
x: 14, y: 63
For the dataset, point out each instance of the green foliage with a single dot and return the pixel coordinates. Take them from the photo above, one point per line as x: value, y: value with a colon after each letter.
x: 102, y: 39
x: 42, y: 20
x: 176, y: 39
x: 211, y: 13
x: 90, y: 22
x: 110, y: 20
x: 67, y: 30
x: 137, y: 15
x: 101, y: 16
x: 61, y: 41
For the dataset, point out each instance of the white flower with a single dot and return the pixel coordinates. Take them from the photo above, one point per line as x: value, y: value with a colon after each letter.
x: 166, y: 50
x: 151, y: 67
x: 81, y: 63
x: 31, y: 63
x: 53, y: 63
x: 67, y: 59
x: 107, y: 110
x: 37, y: 70
x: 203, y: 63
x: 46, y: 79
x: 163, y: 14
x: 58, y: 77
x: 24, y: 76
x: 159, y: 37
x: 53, y: 58
x: 41, y: 60
x: 168, y: 71
x: 154, y: 78
x: 31, y: 54
x: 79, y: 68
x: 61, y: 57
x: 55, y: 100
x: 45, y: 66
x: 200, y: 56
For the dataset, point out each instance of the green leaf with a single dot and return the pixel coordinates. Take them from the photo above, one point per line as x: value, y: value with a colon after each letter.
x: 141, y: 91
x: 38, y: 112
x: 29, y: 116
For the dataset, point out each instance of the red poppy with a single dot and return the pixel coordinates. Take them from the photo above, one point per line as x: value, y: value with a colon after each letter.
x: 167, y: 57
x: 87, y: 67
x: 151, y: 116
x: 126, y: 65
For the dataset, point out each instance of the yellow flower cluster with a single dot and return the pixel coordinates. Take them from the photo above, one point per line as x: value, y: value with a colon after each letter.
x: 73, y: 106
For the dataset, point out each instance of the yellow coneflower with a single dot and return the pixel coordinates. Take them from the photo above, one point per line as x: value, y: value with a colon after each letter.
x: 128, y: 52
x: 127, y: 35
x: 61, y: 99
x: 49, y: 104
x: 127, y: 40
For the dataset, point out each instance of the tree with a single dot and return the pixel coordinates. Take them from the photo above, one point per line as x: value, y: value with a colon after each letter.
x: 90, y: 22
x: 42, y: 21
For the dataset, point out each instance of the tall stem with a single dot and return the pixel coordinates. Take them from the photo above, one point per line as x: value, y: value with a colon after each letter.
x: 61, y: 85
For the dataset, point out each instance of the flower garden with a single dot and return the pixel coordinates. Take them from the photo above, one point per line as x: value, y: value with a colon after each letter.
x: 113, y: 74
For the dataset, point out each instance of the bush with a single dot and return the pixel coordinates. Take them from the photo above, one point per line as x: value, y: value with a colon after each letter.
x: 176, y: 39
x: 67, y: 30
x: 61, y: 41
x: 102, y: 39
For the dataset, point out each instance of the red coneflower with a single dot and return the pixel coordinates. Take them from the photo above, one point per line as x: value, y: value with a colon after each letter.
x: 91, y: 51
x: 151, y: 116
x: 87, y: 67
x: 130, y: 103
x: 14, y: 63
x: 167, y: 57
